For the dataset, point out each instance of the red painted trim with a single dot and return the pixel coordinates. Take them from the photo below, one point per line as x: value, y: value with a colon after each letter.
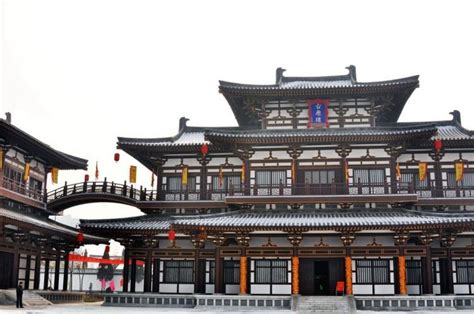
x: 88, y: 259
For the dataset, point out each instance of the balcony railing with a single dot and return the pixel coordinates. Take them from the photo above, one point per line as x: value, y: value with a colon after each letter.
x: 133, y: 194
x: 22, y: 188
x: 316, y: 189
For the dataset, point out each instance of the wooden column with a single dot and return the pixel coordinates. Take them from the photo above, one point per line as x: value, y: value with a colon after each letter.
x: 126, y: 267
x: 295, y: 274
x: 204, y: 161
x: 449, y: 277
x: 16, y: 260
x: 26, y: 284
x: 402, y: 275
x: 156, y: 276
x: 219, y: 284
x: 56, y: 271
x: 436, y: 156
x: 147, y: 283
x: 243, y: 273
x: 36, y: 284
x: 133, y: 278
x: 427, y: 268
x: 66, y: 270
x: 46, y: 275
x: 348, y: 268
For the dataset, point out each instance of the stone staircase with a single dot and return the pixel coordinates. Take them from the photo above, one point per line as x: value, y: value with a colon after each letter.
x: 325, y: 304
x: 29, y: 298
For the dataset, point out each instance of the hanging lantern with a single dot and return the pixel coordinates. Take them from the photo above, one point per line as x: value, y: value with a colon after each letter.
x: 80, y: 237
x: 204, y: 149
x: 438, y: 144
x: 86, y: 178
x: 116, y: 157
x: 171, y: 235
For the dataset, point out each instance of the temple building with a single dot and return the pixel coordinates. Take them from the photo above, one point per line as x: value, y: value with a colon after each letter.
x: 32, y: 246
x: 318, y: 185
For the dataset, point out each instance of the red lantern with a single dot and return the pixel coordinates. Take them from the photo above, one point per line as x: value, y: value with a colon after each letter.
x: 80, y: 237
x: 171, y: 235
x: 438, y: 144
x: 107, y: 249
x: 86, y: 178
x: 116, y: 157
x: 204, y: 149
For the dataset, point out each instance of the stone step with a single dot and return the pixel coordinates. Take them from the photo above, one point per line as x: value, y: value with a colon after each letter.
x: 324, y: 304
x: 29, y: 298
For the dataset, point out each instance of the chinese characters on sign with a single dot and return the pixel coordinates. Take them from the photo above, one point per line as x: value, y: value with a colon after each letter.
x: 318, y: 113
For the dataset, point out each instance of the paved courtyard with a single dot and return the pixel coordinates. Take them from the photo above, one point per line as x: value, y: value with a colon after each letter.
x: 96, y: 308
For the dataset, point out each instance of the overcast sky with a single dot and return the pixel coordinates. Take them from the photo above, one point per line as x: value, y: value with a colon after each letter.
x: 77, y: 74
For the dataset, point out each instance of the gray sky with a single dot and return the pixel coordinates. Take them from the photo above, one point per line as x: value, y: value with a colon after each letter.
x: 77, y: 74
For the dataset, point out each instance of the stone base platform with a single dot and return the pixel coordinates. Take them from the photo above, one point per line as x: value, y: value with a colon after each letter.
x: 415, y: 303
x: 198, y: 300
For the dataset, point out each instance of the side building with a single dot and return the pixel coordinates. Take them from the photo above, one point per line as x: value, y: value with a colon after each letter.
x: 30, y: 242
x: 318, y: 184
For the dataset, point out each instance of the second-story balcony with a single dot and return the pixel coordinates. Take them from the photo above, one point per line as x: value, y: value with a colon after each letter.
x: 21, y: 192
x: 210, y: 197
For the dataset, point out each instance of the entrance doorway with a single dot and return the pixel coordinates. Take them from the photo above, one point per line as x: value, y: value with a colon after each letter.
x: 321, y: 278
x: 6, y: 270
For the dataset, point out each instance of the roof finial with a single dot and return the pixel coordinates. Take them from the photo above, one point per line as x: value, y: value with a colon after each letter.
x: 456, y: 116
x: 8, y: 117
x: 352, y: 72
x: 279, y: 75
x: 182, y: 123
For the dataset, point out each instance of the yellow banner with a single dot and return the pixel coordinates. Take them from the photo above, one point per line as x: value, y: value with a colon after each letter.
x: 26, y: 174
x: 54, y: 175
x: 133, y: 174
x: 184, y: 176
x: 221, y: 177
x: 1, y: 158
x: 346, y: 171
x: 242, y: 174
x: 422, y: 170
x: 459, y: 169
x: 397, y: 171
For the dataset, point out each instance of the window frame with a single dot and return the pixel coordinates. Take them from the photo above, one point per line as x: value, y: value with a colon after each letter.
x: 272, y: 274
x: 231, y: 271
x: 372, y: 267
x: 179, y: 267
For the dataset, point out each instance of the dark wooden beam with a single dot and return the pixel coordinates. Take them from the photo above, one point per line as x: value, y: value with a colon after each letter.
x: 323, y: 199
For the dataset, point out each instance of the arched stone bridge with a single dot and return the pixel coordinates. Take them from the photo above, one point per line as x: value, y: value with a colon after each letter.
x: 95, y: 192
x: 110, y: 192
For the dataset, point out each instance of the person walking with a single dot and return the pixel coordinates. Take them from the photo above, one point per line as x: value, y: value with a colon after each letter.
x: 19, y: 295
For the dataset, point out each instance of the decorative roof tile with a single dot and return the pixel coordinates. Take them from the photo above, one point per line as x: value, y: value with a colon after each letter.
x: 12, y: 135
x: 264, y: 220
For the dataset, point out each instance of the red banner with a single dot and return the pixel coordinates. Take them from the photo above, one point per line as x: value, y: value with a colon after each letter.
x: 88, y: 259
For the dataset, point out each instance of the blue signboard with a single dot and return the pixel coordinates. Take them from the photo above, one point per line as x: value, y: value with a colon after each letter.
x: 318, y: 113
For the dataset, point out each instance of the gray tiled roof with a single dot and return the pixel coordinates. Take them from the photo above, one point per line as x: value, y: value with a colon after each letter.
x: 316, y: 84
x: 52, y: 225
x: 326, y: 219
x: 452, y: 132
x: 370, y: 219
x: 328, y: 132
x: 10, y: 134
x: 146, y: 222
x: 184, y: 138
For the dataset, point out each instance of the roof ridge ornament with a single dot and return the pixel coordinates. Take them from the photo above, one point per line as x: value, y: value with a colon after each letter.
x: 352, y: 72
x: 279, y: 75
x: 182, y: 123
x: 456, y: 116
